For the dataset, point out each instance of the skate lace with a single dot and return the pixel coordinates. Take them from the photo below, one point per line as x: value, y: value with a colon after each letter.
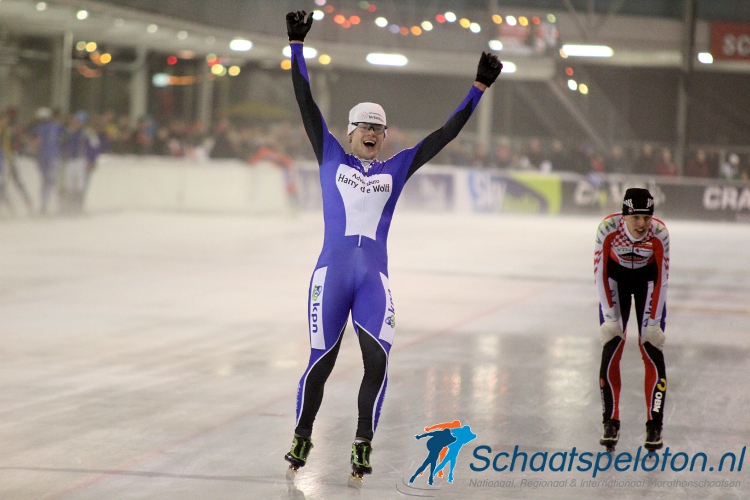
x: 361, y: 454
x: 301, y: 448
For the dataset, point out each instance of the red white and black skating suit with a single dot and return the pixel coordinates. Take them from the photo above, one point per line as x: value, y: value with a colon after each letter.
x: 628, y: 269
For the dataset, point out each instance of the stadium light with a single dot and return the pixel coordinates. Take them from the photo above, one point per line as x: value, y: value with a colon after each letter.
x: 380, y: 59
x: 240, y: 45
x: 307, y: 52
x: 587, y: 50
x: 705, y: 57
x: 160, y: 80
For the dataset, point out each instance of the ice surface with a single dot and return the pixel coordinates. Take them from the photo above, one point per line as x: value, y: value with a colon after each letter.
x: 156, y: 355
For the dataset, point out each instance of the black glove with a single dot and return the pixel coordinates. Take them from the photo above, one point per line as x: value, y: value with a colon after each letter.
x: 296, y: 26
x: 489, y: 69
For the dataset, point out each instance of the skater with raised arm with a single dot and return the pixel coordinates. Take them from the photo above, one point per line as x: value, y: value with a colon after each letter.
x: 351, y: 275
x: 631, y: 264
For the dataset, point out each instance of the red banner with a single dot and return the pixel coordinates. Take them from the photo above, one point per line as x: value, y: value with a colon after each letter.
x: 730, y: 41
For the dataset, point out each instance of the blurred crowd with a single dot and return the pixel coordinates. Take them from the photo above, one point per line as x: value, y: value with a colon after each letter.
x: 66, y: 149
x: 584, y: 158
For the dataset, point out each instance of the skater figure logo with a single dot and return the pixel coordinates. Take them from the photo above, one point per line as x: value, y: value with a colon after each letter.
x: 444, y: 442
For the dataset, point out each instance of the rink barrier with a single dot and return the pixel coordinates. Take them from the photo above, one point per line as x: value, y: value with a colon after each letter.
x: 154, y: 183
x: 681, y: 198
x: 441, y: 188
x: 157, y: 183
x: 121, y: 183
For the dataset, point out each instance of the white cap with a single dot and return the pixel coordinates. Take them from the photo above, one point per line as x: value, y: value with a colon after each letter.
x: 367, y: 112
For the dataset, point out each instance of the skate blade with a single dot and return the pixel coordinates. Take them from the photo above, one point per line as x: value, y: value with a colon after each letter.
x: 355, y: 480
x: 291, y: 473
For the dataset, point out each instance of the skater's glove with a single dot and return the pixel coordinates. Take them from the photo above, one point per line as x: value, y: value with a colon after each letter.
x: 654, y: 335
x: 609, y: 330
x: 489, y: 69
x: 296, y: 26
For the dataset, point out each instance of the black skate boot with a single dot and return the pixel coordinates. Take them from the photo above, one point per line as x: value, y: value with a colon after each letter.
x: 611, y: 434
x: 361, y: 451
x: 653, y: 436
x: 297, y: 456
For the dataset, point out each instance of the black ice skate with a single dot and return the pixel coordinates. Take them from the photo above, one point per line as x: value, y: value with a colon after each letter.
x: 653, y: 436
x: 297, y: 456
x: 611, y: 434
x: 360, y: 462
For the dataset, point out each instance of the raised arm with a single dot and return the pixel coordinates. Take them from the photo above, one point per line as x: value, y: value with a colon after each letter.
x: 297, y: 28
x: 487, y: 72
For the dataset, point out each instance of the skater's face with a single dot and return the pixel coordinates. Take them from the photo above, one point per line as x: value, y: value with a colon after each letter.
x: 366, y: 140
x: 638, y: 224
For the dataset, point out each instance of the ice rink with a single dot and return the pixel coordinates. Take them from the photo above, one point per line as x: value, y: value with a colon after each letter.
x: 157, y: 355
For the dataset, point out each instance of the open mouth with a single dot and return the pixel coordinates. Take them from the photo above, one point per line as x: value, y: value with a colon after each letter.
x: 369, y: 143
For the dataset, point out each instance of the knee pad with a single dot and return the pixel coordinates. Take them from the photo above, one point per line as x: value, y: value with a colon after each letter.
x: 654, y: 335
x: 609, y: 330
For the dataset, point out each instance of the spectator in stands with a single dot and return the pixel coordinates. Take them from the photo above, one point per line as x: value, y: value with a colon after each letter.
x: 714, y: 163
x: 698, y: 166
x: 82, y: 145
x: 535, y: 154
x: 161, y: 142
x: 120, y: 136
x: 194, y: 142
x: 503, y: 157
x: 646, y: 162
x: 616, y: 161
x: 144, y: 136
x: 665, y: 165
x: 744, y: 169
x: 47, y: 137
x: 730, y: 168
x: 559, y: 157
x: 589, y: 160
x: 9, y: 143
x: 580, y: 159
x: 597, y: 164
x: 224, y: 141
x: 98, y: 128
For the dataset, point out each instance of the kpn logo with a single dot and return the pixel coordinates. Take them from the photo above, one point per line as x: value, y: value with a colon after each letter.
x: 444, y: 442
